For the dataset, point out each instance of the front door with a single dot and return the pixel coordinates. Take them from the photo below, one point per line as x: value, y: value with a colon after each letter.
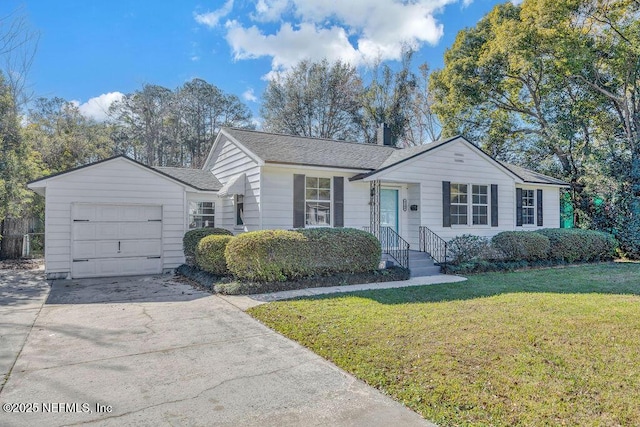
x: 389, y: 209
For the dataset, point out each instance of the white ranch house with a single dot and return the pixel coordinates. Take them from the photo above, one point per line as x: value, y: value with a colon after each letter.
x: 119, y: 217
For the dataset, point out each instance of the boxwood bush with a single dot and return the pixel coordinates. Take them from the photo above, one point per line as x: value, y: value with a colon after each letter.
x: 279, y: 255
x: 522, y: 245
x: 210, y: 254
x: 268, y: 255
x: 573, y: 244
x: 192, y: 237
x: 467, y: 247
x: 341, y: 250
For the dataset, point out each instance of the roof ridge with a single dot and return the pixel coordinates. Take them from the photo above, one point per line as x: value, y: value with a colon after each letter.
x: 367, y: 144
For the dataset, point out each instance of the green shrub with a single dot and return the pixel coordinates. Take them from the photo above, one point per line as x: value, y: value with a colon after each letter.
x: 467, y: 247
x: 522, y: 245
x: 192, y: 237
x: 210, y: 254
x: 337, y: 250
x: 279, y: 255
x: 268, y: 255
x: 573, y: 244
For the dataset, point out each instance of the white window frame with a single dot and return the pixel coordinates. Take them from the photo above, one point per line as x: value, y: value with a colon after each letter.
x: 198, y: 213
x: 318, y: 200
x: 457, y: 204
x: 479, y: 205
x: 531, y: 207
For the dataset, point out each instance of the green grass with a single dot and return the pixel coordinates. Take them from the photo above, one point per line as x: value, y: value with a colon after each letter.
x: 542, y: 347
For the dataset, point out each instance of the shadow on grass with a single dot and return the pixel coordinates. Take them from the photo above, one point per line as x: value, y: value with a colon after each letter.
x: 605, y: 278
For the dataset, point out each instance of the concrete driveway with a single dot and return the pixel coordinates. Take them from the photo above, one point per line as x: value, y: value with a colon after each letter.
x: 155, y: 351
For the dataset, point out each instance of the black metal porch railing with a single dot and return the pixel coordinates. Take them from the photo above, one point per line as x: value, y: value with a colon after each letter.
x: 393, y: 245
x: 434, y: 245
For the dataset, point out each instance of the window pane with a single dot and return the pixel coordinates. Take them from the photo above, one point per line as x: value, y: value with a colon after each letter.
x: 312, y: 194
x: 318, y: 213
x: 324, y: 183
x: 324, y: 195
x: 312, y: 182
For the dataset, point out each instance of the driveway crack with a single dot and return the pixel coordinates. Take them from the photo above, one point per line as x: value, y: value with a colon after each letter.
x: 208, y: 389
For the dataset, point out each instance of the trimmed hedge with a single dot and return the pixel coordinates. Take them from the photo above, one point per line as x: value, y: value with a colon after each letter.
x: 574, y: 244
x: 210, y: 254
x: 279, y: 255
x: 341, y: 250
x: 522, y: 245
x: 268, y: 255
x: 192, y: 237
x: 467, y: 247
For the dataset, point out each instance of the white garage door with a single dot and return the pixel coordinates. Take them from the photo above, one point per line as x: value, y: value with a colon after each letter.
x: 116, y: 240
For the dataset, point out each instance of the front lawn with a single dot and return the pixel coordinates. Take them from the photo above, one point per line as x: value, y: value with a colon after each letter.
x: 543, y: 347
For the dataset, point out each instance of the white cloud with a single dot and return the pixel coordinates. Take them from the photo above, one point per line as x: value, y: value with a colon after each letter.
x: 211, y: 19
x: 97, y: 108
x: 249, y: 95
x: 354, y: 31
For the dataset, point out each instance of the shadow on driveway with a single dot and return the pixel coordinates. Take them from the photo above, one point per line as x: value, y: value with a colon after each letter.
x: 161, y: 288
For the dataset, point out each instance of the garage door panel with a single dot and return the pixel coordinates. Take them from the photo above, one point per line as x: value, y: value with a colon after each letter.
x: 116, y: 213
x: 116, y: 249
x: 116, y: 267
x: 116, y: 230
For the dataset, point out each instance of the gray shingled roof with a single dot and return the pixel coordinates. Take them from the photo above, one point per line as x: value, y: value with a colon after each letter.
x: 528, y: 175
x: 298, y: 150
x: 196, y: 178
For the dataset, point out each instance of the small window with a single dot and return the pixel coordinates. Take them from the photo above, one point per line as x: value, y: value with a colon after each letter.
x: 528, y: 207
x: 317, y: 201
x: 480, y: 204
x: 239, y: 209
x: 459, y: 201
x: 201, y: 214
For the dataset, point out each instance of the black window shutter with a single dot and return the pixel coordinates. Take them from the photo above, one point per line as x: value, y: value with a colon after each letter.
x: 446, y: 203
x: 338, y: 201
x: 519, y: 207
x: 494, y: 205
x: 298, y: 201
x: 539, y: 208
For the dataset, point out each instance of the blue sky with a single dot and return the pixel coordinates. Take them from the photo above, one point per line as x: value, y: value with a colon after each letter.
x: 91, y: 51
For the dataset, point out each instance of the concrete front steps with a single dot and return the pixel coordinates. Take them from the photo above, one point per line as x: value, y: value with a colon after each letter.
x: 420, y: 264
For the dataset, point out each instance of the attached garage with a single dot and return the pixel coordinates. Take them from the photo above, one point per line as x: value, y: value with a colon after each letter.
x: 115, y: 240
x: 118, y: 217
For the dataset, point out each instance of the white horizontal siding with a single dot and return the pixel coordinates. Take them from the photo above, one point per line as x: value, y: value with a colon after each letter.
x: 227, y: 161
x: 277, y: 197
x: 457, y: 163
x: 117, y: 182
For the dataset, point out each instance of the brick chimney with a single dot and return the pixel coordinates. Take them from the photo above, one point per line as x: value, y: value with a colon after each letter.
x: 383, y: 135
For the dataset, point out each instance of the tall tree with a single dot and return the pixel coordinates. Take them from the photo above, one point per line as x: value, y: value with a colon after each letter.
x: 18, y: 46
x: 63, y: 136
x: 143, y: 116
x: 18, y: 161
x: 315, y: 99
x: 598, y: 47
x: 388, y: 99
x: 202, y: 110
x: 158, y: 126
x: 424, y: 125
x: 502, y: 86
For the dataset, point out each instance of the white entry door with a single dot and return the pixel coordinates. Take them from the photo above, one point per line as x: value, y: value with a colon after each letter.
x: 115, y: 240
